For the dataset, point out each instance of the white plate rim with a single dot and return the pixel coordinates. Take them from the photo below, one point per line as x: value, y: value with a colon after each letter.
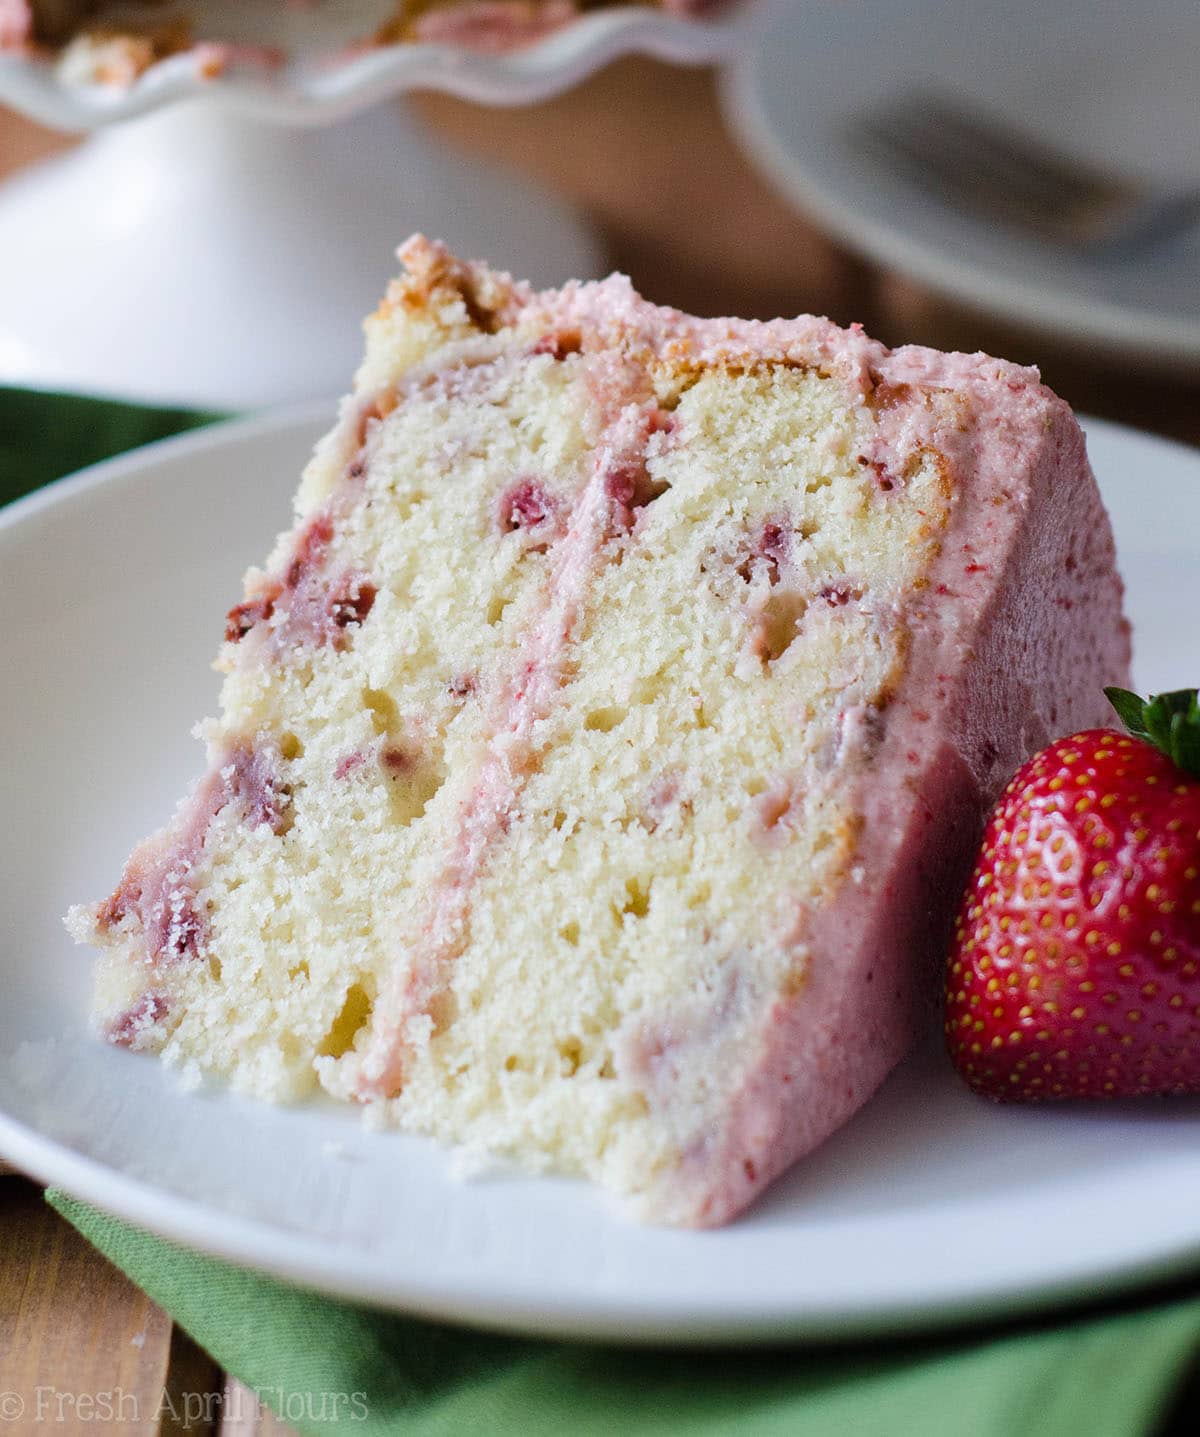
x: 295, y: 1258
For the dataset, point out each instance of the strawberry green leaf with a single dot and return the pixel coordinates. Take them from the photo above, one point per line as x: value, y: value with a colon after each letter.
x: 1171, y: 722
x: 1130, y: 710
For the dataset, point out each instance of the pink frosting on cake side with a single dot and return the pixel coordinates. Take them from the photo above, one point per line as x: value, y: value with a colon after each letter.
x: 1021, y: 629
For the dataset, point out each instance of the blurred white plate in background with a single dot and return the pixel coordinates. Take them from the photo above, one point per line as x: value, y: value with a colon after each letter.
x: 930, y: 1206
x: 1108, y: 82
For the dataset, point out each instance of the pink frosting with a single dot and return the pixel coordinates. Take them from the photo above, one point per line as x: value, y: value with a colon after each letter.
x: 156, y: 894
x: 1021, y: 631
x: 1013, y: 639
x: 604, y: 510
x: 494, y: 26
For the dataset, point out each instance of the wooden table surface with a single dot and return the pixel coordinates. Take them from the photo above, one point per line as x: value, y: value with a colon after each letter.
x: 643, y: 150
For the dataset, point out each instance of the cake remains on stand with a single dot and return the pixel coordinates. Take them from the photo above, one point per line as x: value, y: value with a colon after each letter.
x: 603, y: 751
x: 113, y: 43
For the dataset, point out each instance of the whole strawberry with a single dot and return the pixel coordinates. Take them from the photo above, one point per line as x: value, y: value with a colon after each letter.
x: 1075, y: 966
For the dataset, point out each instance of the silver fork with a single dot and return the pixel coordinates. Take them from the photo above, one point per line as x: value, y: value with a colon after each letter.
x: 982, y: 165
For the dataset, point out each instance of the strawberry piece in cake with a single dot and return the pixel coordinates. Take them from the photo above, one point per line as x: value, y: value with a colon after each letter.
x: 603, y: 752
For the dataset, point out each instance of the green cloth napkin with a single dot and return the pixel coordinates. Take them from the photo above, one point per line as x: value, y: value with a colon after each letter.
x: 1109, y: 1376
x: 321, y: 1363
x: 44, y: 436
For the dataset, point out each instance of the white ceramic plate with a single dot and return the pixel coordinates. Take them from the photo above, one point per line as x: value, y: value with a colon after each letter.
x: 1104, y: 80
x: 929, y: 1206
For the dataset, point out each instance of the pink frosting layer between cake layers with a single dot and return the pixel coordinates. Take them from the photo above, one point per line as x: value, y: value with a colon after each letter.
x: 525, y: 697
x: 1015, y: 635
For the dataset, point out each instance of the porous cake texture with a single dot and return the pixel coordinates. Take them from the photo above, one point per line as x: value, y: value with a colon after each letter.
x: 602, y: 750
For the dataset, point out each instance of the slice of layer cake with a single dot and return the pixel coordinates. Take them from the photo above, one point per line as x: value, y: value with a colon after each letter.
x: 602, y: 751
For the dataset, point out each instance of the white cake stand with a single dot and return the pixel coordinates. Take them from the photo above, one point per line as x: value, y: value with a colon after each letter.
x: 220, y: 248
